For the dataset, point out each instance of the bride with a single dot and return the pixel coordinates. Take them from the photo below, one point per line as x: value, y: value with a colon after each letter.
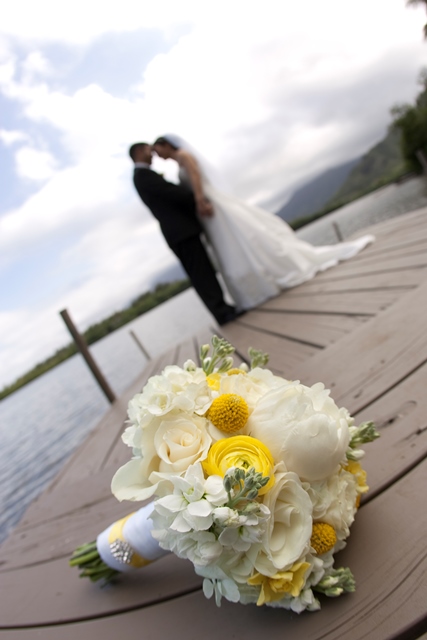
x: 256, y: 252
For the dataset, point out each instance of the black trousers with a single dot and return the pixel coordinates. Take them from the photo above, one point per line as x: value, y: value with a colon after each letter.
x: 193, y: 257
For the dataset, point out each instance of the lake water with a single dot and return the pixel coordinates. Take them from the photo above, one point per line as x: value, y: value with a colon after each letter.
x: 43, y: 423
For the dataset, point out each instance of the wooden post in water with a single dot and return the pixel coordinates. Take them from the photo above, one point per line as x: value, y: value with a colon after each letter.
x: 422, y: 160
x: 140, y: 345
x: 338, y: 231
x: 82, y: 347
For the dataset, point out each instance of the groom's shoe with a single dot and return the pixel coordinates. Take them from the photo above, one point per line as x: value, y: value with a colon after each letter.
x: 229, y: 317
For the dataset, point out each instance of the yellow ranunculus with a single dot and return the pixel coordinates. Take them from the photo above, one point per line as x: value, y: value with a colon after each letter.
x: 243, y: 452
x: 281, y: 583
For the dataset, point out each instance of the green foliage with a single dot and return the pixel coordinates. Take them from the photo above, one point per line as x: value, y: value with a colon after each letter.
x: 415, y: 3
x: 140, y: 305
x: 411, y: 120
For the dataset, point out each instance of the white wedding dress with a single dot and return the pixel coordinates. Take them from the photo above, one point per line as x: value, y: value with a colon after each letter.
x: 257, y: 253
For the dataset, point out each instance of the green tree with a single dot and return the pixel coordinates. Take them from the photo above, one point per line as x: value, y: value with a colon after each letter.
x: 412, y: 122
x: 415, y: 3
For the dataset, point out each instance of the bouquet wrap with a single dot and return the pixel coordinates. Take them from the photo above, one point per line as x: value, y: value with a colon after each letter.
x: 128, y: 544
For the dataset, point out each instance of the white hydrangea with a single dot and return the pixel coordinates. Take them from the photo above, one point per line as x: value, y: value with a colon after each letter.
x: 174, y: 389
x: 334, y: 501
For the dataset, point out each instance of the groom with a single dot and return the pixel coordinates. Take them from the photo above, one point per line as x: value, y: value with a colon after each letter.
x: 174, y: 207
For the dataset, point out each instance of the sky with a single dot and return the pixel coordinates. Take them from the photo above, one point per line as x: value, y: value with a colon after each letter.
x: 271, y: 92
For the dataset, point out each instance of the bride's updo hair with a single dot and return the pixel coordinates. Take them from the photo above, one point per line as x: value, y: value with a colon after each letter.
x: 163, y: 140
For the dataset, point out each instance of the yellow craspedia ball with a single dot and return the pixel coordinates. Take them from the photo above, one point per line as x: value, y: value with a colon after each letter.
x: 323, y: 537
x: 229, y: 413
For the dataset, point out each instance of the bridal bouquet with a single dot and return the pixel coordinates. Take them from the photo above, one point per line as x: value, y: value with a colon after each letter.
x: 255, y: 479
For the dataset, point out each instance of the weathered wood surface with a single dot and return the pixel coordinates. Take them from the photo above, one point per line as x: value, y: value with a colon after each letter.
x: 359, y: 328
x: 389, y: 601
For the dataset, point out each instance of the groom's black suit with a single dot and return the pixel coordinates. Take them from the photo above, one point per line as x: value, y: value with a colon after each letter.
x: 175, y: 209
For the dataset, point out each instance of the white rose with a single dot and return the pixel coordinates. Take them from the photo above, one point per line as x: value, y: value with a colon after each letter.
x: 303, y: 427
x: 288, y: 533
x: 170, y: 445
x: 180, y: 442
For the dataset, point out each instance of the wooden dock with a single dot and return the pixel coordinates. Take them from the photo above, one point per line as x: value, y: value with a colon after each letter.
x: 361, y: 329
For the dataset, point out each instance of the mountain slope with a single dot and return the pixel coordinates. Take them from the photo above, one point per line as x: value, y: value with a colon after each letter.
x: 383, y: 163
x: 313, y: 195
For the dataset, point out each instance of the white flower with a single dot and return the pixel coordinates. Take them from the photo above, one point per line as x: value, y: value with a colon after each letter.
x: 334, y: 502
x: 169, y: 445
x: 251, y: 386
x: 180, y: 441
x: 240, y: 531
x: 192, y: 503
x: 303, y: 427
x: 288, y: 533
x: 218, y: 583
x: 175, y: 389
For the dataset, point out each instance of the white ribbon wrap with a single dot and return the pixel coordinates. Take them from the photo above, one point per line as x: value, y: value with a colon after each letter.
x: 137, y: 532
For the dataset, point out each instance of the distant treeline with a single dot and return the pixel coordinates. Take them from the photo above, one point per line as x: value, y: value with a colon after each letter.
x: 140, y: 305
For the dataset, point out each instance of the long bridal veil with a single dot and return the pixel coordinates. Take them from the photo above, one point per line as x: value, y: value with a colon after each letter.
x: 257, y: 253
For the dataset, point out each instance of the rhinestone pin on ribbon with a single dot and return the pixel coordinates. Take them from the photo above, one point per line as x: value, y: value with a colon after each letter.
x: 120, y: 548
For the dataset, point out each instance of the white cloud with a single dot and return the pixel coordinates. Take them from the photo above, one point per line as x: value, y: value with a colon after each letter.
x: 34, y: 164
x: 83, y: 21
x: 10, y: 137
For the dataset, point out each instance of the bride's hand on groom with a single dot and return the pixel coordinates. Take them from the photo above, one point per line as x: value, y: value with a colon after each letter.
x: 204, y: 208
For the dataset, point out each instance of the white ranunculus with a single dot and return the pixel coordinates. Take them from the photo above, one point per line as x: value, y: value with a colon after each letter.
x: 288, y: 533
x: 334, y: 502
x: 303, y: 427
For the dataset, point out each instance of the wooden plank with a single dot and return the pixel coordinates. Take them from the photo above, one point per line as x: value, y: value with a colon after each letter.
x: 282, y: 352
x: 354, y: 269
x: 406, y: 221
x: 385, y: 553
x: 375, y: 357
x: 317, y: 331
x: 352, y: 303
x: 58, y: 536
x: 400, y: 417
x: 399, y: 280
x: 53, y: 593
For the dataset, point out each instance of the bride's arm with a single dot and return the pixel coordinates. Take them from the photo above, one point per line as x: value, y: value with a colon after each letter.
x: 186, y: 160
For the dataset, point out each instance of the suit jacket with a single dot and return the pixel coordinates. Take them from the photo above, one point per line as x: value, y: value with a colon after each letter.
x: 173, y: 205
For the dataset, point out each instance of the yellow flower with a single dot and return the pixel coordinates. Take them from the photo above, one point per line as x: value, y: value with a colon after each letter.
x: 356, y: 469
x: 323, y: 537
x: 214, y: 381
x: 283, y: 582
x: 243, y: 452
x: 235, y: 371
x: 229, y: 413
